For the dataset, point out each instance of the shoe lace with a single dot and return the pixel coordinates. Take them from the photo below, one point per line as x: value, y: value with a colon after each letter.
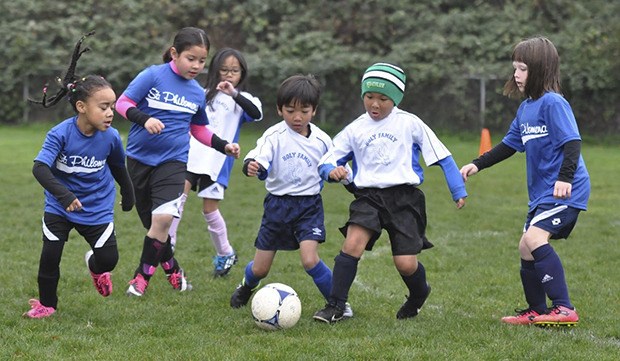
x: 175, y: 280
x: 139, y: 283
x: 524, y: 312
x: 102, y: 281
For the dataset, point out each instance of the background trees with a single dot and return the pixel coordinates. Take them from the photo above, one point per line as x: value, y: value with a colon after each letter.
x: 445, y: 46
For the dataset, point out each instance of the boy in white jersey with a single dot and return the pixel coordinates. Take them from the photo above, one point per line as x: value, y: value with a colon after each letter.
x: 286, y: 158
x: 384, y: 145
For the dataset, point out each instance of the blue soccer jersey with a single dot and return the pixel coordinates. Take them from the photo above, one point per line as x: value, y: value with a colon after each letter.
x: 540, y: 129
x: 80, y: 163
x: 161, y: 93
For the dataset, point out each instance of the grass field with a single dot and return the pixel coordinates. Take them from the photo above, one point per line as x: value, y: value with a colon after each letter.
x: 474, y: 271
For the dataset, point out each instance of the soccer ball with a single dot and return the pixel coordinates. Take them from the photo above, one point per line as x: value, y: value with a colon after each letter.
x: 276, y: 306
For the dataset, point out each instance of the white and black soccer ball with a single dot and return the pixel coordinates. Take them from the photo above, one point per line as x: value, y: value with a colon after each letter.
x: 276, y: 306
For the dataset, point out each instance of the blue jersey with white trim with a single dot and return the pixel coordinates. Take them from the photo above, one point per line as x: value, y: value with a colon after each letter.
x: 540, y: 129
x: 80, y: 163
x: 161, y: 93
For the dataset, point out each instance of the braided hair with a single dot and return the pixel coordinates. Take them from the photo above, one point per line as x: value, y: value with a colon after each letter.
x: 69, y: 82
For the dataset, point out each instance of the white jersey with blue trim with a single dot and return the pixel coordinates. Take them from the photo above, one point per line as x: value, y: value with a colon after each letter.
x: 291, y: 159
x: 80, y: 163
x: 225, y: 120
x: 161, y: 93
x: 386, y: 152
x: 540, y: 129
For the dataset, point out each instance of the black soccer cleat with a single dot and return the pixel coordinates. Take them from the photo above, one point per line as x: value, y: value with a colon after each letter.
x: 329, y: 314
x: 412, y: 306
x: 242, y: 295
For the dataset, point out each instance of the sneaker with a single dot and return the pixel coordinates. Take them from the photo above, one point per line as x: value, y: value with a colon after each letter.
x: 178, y: 281
x: 102, y: 281
x: 523, y: 317
x: 557, y: 316
x: 348, y: 312
x: 412, y: 306
x: 37, y: 310
x: 330, y: 314
x: 223, y: 264
x: 242, y: 295
x: 137, y: 286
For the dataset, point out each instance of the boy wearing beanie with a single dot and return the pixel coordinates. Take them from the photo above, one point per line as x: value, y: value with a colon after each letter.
x: 384, y: 145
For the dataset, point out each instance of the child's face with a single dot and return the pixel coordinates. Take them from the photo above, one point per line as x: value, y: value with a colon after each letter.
x: 97, y: 111
x: 191, y: 61
x: 378, y: 105
x: 230, y: 71
x: 297, y: 116
x: 520, y: 74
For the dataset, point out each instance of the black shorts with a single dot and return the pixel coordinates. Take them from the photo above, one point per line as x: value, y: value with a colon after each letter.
x: 158, y: 189
x: 400, y: 210
x: 199, y: 182
x: 57, y: 228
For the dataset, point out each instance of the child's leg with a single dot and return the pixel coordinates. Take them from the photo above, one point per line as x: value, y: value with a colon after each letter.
x: 345, y: 266
x: 152, y: 251
x: 416, y: 280
x: 551, y: 273
x: 174, y: 226
x: 315, y: 267
x: 55, y: 233
x: 217, y: 228
x: 259, y: 268
x: 534, y: 292
x: 49, y: 272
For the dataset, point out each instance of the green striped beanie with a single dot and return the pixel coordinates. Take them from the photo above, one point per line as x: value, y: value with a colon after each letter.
x: 386, y: 79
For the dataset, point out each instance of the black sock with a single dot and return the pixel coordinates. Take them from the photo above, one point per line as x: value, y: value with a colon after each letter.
x: 152, y: 251
x: 49, y: 272
x: 168, y: 262
x: 416, y: 283
x: 345, y: 269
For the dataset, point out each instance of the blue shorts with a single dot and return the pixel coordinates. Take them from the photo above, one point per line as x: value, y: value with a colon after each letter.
x: 557, y: 219
x: 288, y: 220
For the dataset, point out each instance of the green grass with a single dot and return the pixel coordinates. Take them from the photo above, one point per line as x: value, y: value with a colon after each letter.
x: 474, y: 270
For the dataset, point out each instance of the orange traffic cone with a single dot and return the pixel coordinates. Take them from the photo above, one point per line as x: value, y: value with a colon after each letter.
x: 485, y: 141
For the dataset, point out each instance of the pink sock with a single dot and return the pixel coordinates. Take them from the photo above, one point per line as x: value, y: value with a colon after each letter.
x: 175, y: 222
x: 219, y: 235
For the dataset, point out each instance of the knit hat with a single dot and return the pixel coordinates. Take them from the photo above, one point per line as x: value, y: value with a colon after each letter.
x: 386, y: 79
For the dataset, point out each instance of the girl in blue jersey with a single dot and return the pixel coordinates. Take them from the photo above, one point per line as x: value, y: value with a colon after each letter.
x: 384, y: 145
x: 77, y: 165
x: 165, y: 103
x: 286, y: 158
x: 208, y: 171
x: 557, y: 180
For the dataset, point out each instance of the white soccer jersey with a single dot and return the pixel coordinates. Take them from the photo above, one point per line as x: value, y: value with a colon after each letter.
x: 225, y: 120
x: 291, y: 159
x: 386, y: 153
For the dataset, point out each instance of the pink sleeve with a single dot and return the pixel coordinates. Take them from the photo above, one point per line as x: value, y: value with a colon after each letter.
x: 202, y: 133
x: 122, y: 104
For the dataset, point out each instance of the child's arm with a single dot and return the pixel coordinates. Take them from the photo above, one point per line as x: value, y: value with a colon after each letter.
x: 128, y: 109
x: 456, y: 184
x: 205, y: 136
x: 246, y: 104
x: 43, y: 173
x: 252, y: 168
x: 499, y: 153
x: 128, y: 198
x: 564, y: 185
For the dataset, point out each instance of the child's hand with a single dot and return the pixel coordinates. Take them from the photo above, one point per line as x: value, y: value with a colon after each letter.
x: 226, y: 88
x: 562, y: 190
x: 233, y: 149
x: 154, y: 126
x: 253, y: 168
x: 76, y: 205
x: 339, y: 173
x: 460, y: 203
x: 467, y: 170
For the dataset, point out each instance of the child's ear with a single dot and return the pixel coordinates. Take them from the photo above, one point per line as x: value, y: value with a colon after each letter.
x: 279, y: 110
x: 80, y: 106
